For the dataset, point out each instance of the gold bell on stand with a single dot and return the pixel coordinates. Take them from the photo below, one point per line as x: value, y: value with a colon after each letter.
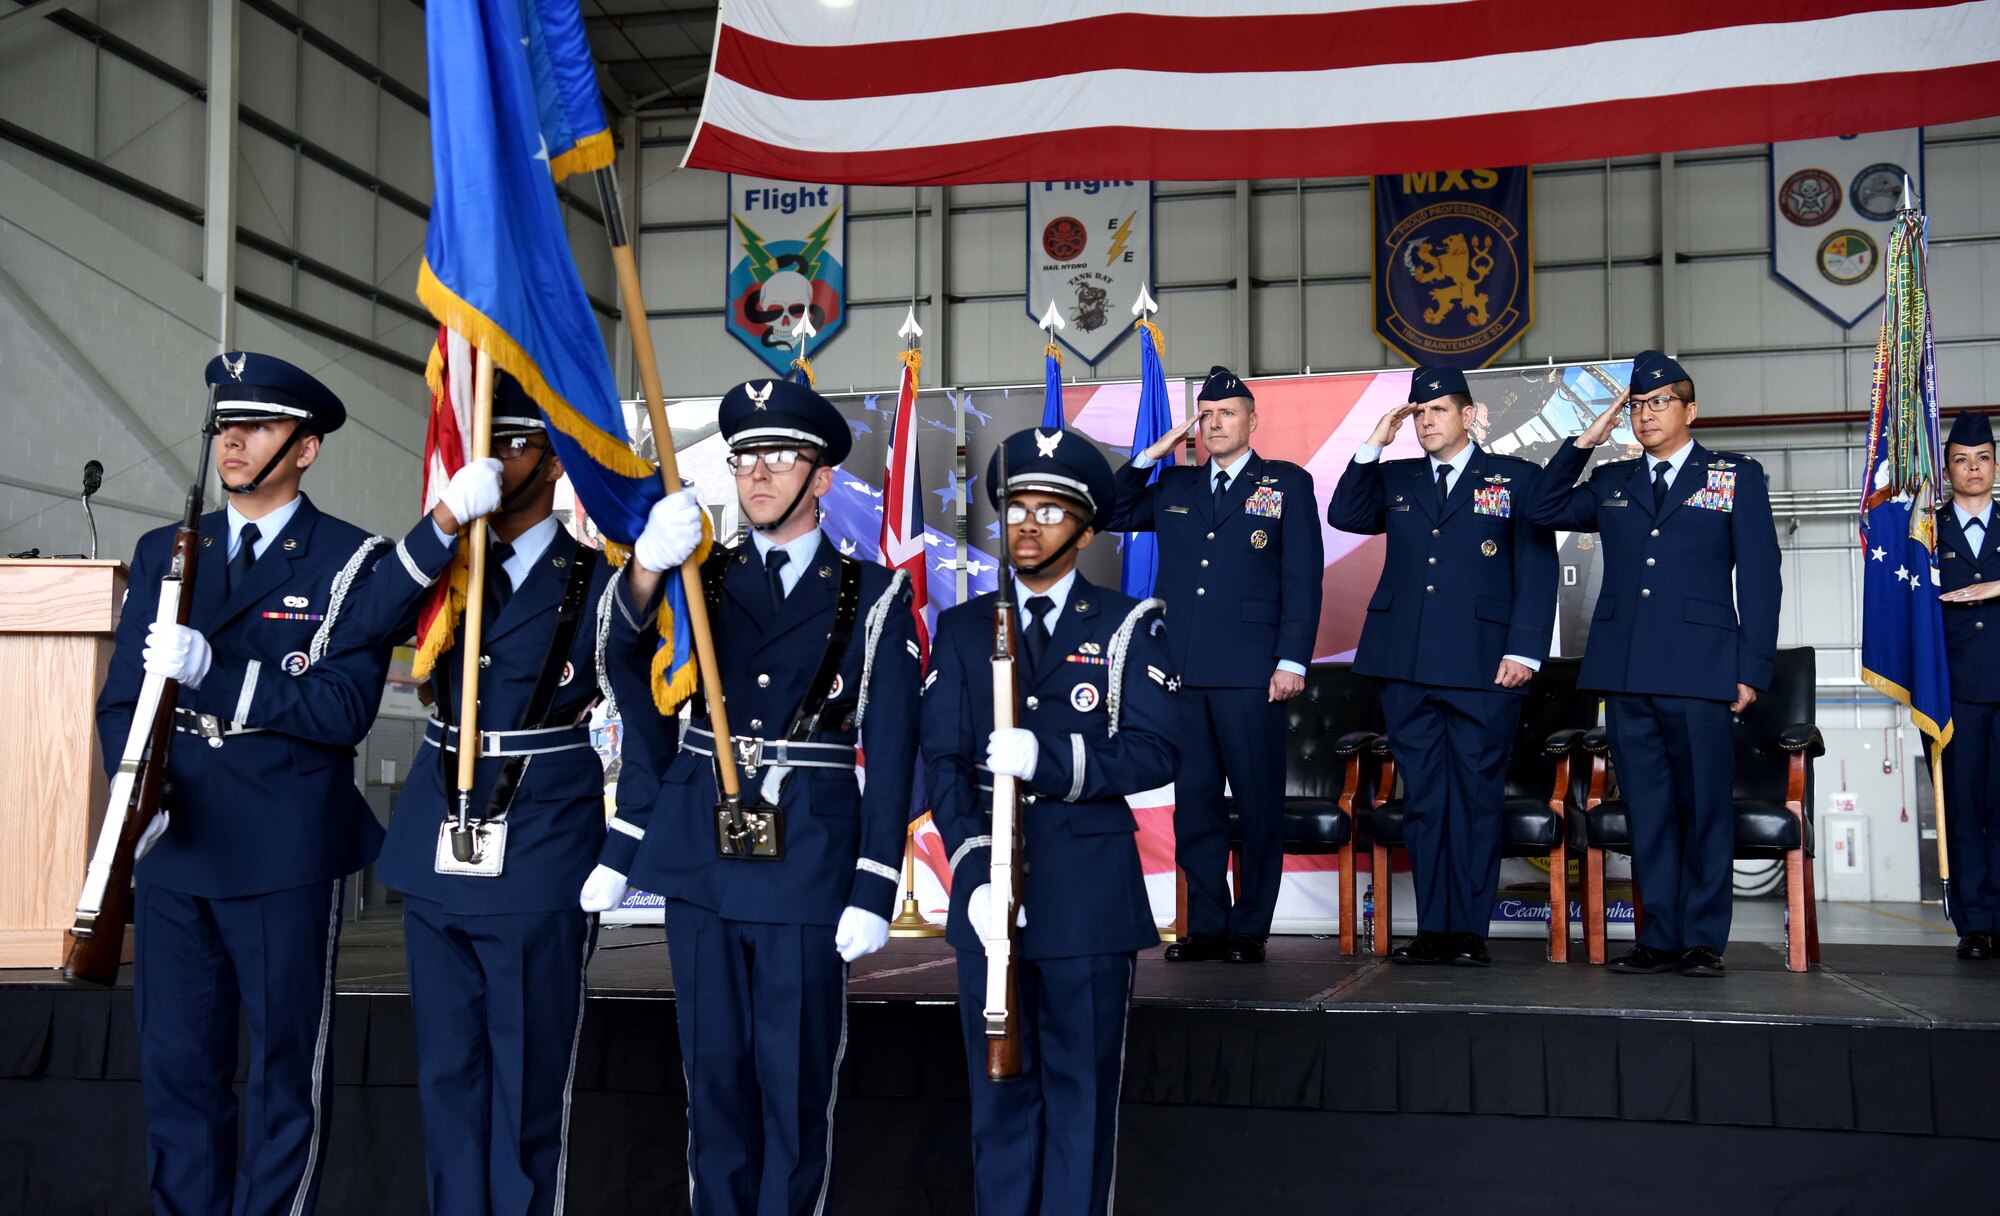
x: 911, y: 922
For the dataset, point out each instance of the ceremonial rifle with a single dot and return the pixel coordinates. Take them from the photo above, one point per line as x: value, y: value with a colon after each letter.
x: 139, y: 786
x: 1002, y: 936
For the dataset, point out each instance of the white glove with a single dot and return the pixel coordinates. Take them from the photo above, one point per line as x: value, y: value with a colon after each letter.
x: 474, y: 491
x: 1012, y: 752
x: 672, y: 532
x: 602, y: 891
x: 859, y: 934
x: 979, y: 910
x: 151, y: 836
x: 177, y: 653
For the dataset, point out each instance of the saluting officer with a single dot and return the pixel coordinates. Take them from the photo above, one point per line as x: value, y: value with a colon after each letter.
x: 1685, y: 635
x: 1458, y: 625
x: 1969, y: 564
x: 1096, y: 724
x: 1240, y: 569
x: 238, y: 899
x: 763, y: 917
x: 498, y: 944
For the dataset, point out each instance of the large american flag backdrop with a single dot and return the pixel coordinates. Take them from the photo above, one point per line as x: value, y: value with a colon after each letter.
x: 918, y: 92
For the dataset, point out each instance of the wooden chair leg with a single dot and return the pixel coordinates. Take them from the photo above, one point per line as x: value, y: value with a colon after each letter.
x: 1382, y: 905
x: 1812, y: 913
x: 1347, y: 900
x: 1795, y: 903
x: 1559, y: 903
x: 1594, y: 913
x: 1180, y: 905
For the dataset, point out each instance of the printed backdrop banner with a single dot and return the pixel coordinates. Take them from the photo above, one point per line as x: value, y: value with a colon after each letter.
x: 1454, y: 281
x: 1090, y: 249
x: 786, y: 260
x: 1832, y: 202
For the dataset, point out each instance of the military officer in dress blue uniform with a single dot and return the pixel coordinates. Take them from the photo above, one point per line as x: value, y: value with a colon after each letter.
x: 1096, y: 724
x: 1685, y: 634
x: 1457, y: 627
x: 239, y: 884
x: 1240, y: 569
x: 497, y: 947
x: 1969, y: 563
x: 817, y: 651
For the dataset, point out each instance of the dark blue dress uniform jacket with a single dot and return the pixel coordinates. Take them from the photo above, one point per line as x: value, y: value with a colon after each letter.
x: 843, y: 846
x: 1238, y: 607
x: 1668, y: 620
x: 1085, y: 892
x: 275, y: 809
x: 1447, y: 610
x: 555, y: 827
x: 1971, y: 631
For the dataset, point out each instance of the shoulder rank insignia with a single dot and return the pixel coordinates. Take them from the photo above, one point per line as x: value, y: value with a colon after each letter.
x: 1721, y: 464
x: 1497, y: 480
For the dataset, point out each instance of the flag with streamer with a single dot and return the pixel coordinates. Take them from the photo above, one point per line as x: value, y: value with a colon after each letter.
x: 902, y: 538
x: 1902, y: 622
x: 514, y: 108
x: 1141, y: 553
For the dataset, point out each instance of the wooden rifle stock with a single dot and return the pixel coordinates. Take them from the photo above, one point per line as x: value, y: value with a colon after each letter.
x: 1003, y: 1019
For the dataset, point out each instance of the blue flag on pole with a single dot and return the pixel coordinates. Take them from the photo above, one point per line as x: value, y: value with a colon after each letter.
x: 1902, y: 622
x: 1141, y: 555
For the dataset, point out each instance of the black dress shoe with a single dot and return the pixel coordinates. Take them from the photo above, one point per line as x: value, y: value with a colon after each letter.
x: 1976, y: 947
x: 1702, y: 961
x: 1244, y: 949
x: 1644, y: 960
x: 1197, y: 948
x: 1424, y: 949
x: 1469, y: 950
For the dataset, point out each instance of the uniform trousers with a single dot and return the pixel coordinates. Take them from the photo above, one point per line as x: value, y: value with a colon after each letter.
x: 1676, y: 766
x: 1046, y: 1142
x: 763, y: 1026
x: 498, y: 1004
x: 1451, y: 747
x: 1972, y: 817
x: 1237, y: 734
x: 205, y: 969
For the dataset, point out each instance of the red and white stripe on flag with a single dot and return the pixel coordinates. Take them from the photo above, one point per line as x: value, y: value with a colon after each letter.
x: 903, y: 507
x: 447, y: 449
x: 905, y: 92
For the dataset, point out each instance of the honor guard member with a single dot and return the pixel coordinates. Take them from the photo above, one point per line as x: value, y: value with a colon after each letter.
x: 1240, y: 569
x: 1677, y: 650
x: 765, y: 909
x: 496, y: 941
x: 1458, y: 625
x: 238, y: 898
x: 1969, y: 564
x: 1096, y: 724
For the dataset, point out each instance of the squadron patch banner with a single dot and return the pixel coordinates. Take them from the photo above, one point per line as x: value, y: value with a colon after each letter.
x: 1454, y: 282
x: 1833, y: 202
x: 787, y: 260
x: 1090, y: 249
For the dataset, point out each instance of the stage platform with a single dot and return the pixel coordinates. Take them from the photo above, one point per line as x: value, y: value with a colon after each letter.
x: 1871, y: 1084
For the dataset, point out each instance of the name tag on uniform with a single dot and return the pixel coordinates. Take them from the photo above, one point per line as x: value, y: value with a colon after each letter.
x: 1404, y: 507
x: 1493, y: 500
x: 1177, y: 510
x: 1718, y: 495
x: 1267, y: 502
x: 1615, y: 502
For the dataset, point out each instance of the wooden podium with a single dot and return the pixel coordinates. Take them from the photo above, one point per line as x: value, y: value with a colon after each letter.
x: 56, y: 623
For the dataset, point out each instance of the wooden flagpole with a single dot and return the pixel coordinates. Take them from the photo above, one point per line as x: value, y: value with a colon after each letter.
x: 472, y: 627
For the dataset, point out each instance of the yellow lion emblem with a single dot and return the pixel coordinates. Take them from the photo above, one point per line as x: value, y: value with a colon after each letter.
x: 1463, y: 266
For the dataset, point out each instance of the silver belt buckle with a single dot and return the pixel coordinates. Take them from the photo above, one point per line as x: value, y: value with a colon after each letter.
x: 209, y: 727
x: 749, y: 754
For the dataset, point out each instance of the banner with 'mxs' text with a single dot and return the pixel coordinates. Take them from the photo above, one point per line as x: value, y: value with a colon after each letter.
x: 1454, y: 280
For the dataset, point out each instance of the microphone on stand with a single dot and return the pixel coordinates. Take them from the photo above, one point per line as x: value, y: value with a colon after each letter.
x: 93, y: 477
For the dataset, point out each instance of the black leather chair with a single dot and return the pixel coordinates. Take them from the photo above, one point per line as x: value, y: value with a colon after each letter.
x: 1327, y: 729
x: 1776, y: 742
x: 1546, y: 785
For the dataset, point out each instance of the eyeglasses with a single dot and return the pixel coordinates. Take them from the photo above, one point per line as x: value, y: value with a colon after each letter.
x: 777, y: 460
x: 513, y: 447
x: 1651, y: 405
x: 1048, y: 514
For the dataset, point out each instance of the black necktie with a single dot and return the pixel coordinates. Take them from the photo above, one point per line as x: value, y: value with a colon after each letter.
x: 1036, y: 640
x: 1221, y: 489
x: 499, y: 587
x: 774, y: 566
x: 1660, y: 472
x: 246, y: 556
x: 1978, y: 543
x: 1443, y: 490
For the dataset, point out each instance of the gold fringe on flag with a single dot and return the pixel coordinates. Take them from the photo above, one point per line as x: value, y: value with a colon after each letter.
x: 444, y: 627
x: 1053, y: 351
x: 801, y: 364
x: 914, y: 360
x: 670, y: 688
x: 1159, y: 343
x: 591, y: 153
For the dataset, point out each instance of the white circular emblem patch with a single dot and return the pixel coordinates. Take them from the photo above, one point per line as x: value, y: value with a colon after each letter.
x: 295, y: 663
x: 569, y: 672
x: 838, y: 683
x: 1084, y: 697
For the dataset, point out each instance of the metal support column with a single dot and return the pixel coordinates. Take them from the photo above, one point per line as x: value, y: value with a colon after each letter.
x: 937, y: 279
x: 1239, y: 263
x: 1670, y: 270
x: 218, y: 261
x: 631, y: 182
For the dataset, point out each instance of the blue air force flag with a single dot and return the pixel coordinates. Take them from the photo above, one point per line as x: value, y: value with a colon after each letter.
x: 1454, y: 282
x: 787, y: 263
